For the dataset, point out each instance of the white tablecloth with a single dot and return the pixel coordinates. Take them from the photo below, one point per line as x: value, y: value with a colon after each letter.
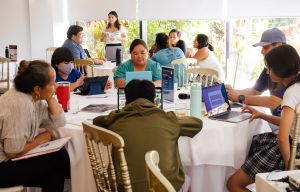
x: 212, y: 156
x: 208, y: 158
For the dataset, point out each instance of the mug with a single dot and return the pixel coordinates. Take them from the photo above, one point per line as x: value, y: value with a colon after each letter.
x: 63, y: 94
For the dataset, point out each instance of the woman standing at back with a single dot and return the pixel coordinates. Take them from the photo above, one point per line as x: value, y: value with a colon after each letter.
x: 114, y: 34
x: 205, y: 56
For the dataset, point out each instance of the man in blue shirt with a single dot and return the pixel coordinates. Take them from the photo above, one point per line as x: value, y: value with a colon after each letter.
x: 73, y: 43
x: 270, y: 39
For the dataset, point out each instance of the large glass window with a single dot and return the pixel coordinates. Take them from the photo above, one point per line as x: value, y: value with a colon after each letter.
x: 214, y: 29
x: 245, y: 61
x: 93, y: 31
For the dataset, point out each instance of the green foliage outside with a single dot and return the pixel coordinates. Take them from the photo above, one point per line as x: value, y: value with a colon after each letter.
x: 93, y: 31
x: 245, y: 62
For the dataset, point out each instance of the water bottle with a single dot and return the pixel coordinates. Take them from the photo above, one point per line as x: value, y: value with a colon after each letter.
x: 6, y: 52
x: 196, y: 100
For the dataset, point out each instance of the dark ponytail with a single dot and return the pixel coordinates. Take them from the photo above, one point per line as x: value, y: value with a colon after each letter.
x: 210, y: 47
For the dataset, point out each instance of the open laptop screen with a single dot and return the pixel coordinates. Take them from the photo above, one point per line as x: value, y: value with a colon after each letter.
x: 215, y: 99
x: 142, y: 75
x: 122, y: 99
x: 168, y: 83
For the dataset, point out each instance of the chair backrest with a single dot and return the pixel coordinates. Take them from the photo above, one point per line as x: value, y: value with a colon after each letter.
x: 156, y: 180
x: 293, y: 159
x: 188, y: 62
x: 49, y: 52
x: 99, y: 142
x: 4, y: 74
x: 81, y: 65
x: 206, y: 76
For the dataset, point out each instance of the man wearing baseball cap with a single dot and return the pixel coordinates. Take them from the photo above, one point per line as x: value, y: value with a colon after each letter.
x: 270, y: 38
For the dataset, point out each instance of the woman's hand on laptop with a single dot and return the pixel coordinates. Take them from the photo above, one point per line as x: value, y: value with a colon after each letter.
x: 254, y: 113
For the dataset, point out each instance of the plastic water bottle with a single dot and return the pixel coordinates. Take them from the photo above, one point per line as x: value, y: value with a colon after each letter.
x: 196, y: 100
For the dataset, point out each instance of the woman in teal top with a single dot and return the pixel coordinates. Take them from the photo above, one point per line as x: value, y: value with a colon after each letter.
x: 139, y: 62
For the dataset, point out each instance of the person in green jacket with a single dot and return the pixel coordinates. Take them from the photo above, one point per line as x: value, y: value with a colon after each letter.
x: 145, y: 127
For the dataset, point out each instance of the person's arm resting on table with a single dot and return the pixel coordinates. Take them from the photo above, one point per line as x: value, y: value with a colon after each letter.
x: 189, y: 126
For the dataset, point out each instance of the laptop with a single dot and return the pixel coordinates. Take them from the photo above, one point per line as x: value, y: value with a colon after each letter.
x: 111, y: 52
x: 168, y: 83
x: 142, y: 75
x: 218, y: 107
x: 122, y: 99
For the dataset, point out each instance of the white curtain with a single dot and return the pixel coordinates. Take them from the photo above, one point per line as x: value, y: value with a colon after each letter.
x: 263, y: 8
x: 98, y: 9
x: 179, y: 9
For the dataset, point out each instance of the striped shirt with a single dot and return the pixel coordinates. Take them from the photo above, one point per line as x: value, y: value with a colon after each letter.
x: 20, y: 120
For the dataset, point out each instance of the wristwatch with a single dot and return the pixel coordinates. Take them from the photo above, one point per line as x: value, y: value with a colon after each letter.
x: 241, y: 99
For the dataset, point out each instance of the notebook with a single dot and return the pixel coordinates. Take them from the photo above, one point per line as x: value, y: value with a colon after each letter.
x: 168, y: 83
x: 111, y: 52
x: 143, y: 75
x: 122, y: 99
x: 45, y: 148
x: 217, y: 105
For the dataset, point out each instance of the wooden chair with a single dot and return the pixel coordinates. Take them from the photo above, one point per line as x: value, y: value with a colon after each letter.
x: 49, y: 52
x: 205, y: 76
x: 81, y: 64
x: 156, y: 180
x: 293, y: 159
x: 4, y: 74
x: 12, y: 189
x: 99, y: 141
x: 188, y: 62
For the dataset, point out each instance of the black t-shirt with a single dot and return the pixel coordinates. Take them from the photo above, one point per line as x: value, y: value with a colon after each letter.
x: 181, y: 44
x: 264, y: 83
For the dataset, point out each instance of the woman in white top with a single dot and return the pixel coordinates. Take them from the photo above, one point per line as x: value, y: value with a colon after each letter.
x: 205, y: 56
x: 114, y: 33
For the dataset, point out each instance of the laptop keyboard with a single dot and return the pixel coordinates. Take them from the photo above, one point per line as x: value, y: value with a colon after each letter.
x: 229, y: 115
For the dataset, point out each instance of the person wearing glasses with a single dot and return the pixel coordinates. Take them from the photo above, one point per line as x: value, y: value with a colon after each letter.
x: 74, y: 41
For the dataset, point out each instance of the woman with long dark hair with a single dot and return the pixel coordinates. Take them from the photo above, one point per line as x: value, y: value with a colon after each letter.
x: 113, y: 33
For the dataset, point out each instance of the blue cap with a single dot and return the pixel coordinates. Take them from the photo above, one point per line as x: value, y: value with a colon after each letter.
x: 271, y: 36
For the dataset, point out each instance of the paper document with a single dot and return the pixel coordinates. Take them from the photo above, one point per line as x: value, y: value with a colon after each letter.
x: 45, y: 148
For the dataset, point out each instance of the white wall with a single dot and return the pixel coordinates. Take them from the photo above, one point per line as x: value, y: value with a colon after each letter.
x: 48, y: 25
x: 15, y: 29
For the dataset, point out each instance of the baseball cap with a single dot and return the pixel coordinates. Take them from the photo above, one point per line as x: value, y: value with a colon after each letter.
x: 270, y: 36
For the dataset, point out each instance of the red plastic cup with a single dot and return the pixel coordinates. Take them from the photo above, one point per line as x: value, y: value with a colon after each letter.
x: 63, y: 94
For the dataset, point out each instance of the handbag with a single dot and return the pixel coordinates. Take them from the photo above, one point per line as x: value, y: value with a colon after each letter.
x: 93, y: 85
